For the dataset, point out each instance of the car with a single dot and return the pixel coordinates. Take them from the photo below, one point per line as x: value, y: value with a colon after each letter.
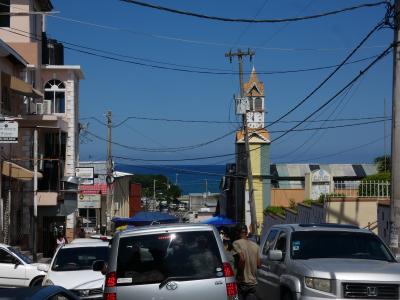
x: 71, y: 268
x: 18, y: 270
x: 174, y: 261
x: 326, y: 261
x: 52, y: 292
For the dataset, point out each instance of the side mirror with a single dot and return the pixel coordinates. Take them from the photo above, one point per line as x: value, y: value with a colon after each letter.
x: 275, y: 255
x: 16, y: 263
x: 398, y: 258
x: 43, y: 267
x: 99, y: 266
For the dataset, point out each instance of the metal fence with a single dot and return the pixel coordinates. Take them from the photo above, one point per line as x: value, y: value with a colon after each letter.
x: 362, y: 189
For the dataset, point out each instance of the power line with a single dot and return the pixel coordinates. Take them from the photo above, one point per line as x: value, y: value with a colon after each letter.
x: 292, y: 129
x: 175, y: 149
x: 343, y: 151
x: 225, y: 122
x: 362, y: 72
x: 223, y: 19
x: 183, y: 148
x: 216, y: 72
x: 323, y: 82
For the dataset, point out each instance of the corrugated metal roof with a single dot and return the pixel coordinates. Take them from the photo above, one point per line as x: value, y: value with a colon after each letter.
x: 335, y: 170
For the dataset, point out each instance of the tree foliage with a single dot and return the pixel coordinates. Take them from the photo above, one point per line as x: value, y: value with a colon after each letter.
x: 383, y: 163
x: 162, y: 188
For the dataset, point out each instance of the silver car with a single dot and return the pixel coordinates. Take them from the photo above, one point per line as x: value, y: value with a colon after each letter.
x: 327, y: 261
x: 169, y: 262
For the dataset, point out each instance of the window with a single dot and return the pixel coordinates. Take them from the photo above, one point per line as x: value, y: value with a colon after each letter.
x: 54, y: 91
x: 258, y: 104
x: 269, y: 242
x: 79, y: 258
x: 339, y: 244
x: 154, y: 257
x: 6, y: 258
x: 4, y: 10
x: 281, y: 243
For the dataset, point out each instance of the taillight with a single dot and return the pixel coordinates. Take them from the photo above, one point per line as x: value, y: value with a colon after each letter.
x: 111, y: 279
x: 231, y: 290
x: 228, y: 271
x: 110, y: 296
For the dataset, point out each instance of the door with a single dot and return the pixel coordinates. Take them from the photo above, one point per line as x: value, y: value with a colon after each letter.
x: 12, y: 271
x: 171, y: 266
x: 278, y: 267
x: 51, y: 226
x: 263, y: 276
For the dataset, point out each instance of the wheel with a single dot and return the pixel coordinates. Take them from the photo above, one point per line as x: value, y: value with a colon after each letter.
x: 36, y: 281
x: 287, y: 295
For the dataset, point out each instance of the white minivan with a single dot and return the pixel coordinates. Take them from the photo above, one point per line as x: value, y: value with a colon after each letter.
x: 71, y: 268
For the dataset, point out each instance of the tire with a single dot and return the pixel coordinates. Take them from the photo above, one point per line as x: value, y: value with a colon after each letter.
x: 37, y: 281
x: 287, y: 295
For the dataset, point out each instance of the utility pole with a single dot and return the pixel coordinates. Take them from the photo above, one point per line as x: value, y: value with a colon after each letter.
x: 35, y: 188
x: 109, y: 177
x: 395, y: 169
x: 253, y: 215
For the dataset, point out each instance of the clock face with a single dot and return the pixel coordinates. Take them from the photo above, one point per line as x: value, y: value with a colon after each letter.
x: 255, y: 119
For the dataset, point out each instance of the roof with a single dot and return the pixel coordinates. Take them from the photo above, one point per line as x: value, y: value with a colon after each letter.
x: 77, y: 69
x: 77, y: 243
x: 97, y: 188
x: 172, y: 227
x: 323, y: 227
x: 6, y: 50
x: 298, y: 171
x: 254, y: 87
x: 255, y: 135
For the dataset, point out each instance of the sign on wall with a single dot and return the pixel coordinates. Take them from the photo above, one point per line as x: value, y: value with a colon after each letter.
x: 86, y: 175
x: 320, y: 183
x: 8, y: 132
x: 89, y: 201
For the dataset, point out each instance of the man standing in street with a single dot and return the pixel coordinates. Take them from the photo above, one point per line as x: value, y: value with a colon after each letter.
x: 248, y: 262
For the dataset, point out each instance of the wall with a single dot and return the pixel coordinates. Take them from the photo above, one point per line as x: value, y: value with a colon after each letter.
x: 352, y: 211
x: 121, y: 196
x: 384, y: 221
x: 282, y: 197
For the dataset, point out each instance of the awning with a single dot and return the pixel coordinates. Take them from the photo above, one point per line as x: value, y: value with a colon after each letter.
x: 19, y: 86
x: 16, y: 171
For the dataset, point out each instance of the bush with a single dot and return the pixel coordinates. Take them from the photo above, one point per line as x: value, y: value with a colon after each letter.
x: 276, y: 210
x: 375, y: 189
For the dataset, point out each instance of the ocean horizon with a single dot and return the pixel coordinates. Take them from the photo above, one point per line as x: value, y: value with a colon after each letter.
x: 190, y: 178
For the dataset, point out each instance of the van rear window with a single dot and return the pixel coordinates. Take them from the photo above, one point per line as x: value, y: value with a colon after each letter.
x: 156, y: 257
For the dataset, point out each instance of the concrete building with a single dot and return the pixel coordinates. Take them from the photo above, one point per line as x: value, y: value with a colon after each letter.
x: 51, y: 108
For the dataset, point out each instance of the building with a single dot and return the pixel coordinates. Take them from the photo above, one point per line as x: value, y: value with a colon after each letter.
x: 235, y: 190
x: 43, y: 98
x: 94, y: 210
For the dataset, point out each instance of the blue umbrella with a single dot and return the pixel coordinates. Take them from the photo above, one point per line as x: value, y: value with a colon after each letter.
x: 219, y: 221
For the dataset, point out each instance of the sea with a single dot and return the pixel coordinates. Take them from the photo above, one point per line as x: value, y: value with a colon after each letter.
x: 190, y: 178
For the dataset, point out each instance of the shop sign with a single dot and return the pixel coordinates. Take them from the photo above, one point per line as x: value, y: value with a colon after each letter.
x: 86, y: 175
x: 8, y: 132
x: 89, y: 201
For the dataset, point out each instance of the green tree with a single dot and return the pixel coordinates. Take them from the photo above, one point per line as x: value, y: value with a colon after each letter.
x: 160, y: 184
x: 383, y: 163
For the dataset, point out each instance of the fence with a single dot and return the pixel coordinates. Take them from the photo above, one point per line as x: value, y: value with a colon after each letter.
x: 362, y: 189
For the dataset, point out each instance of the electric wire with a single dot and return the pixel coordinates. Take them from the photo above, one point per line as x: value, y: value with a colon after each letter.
x: 323, y: 82
x: 86, y: 50
x: 223, y: 19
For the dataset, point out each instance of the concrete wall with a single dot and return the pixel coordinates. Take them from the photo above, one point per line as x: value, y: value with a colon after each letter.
x: 282, y: 197
x: 121, y: 196
x: 384, y: 221
x: 357, y: 211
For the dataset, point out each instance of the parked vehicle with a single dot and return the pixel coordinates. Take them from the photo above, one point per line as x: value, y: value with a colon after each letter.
x: 176, y: 261
x: 326, y: 261
x: 53, y: 292
x: 18, y: 270
x: 71, y: 268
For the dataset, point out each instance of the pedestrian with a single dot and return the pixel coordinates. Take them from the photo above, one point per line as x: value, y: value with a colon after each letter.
x: 81, y: 233
x: 248, y: 263
x: 61, y: 240
x: 229, y: 252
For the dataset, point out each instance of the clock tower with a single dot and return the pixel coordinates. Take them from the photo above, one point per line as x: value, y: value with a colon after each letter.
x: 259, y: 142
x: 254, y: 91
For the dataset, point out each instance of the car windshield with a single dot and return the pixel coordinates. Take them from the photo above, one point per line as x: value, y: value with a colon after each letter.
x: 338, y: 244
x: 156, y: 257
x: 78, y: 258
x: 21, y: 256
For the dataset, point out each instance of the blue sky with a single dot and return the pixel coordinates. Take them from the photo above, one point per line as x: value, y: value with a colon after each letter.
x: 133, y: 90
